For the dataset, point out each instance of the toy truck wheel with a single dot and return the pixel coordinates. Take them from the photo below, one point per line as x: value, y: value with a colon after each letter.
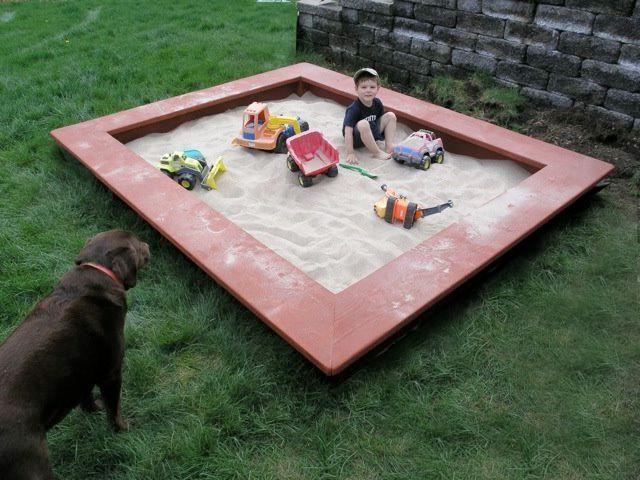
x: 439, y: 156
x: 426, y: 161
x: 292, y: 165
x: 305, y: 181
x: 304, y: 126
x: 388, y: 211
x: 187, y: 181
x: 409, y: 215
x: 281, y: 144
x: 332, y: 172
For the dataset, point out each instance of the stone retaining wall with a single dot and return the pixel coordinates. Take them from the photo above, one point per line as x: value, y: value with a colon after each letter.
x: 566, y: 53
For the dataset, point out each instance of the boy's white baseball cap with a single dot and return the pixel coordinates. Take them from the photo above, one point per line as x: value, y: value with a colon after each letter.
x: 359, y: 73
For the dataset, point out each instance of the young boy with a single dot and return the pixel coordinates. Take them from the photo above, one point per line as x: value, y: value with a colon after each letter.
x: 365, y: 121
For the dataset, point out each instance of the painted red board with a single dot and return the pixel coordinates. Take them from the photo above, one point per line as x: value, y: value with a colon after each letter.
x: 331, y: 330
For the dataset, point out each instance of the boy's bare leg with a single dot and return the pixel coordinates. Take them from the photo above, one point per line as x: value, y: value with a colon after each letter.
x: 366, y: 135
x: 388, y: 128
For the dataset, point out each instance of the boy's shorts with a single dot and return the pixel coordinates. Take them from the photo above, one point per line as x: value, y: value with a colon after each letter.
x: 375, y: 129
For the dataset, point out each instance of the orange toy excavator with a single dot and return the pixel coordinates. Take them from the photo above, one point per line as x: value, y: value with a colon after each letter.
x: 396, y: 208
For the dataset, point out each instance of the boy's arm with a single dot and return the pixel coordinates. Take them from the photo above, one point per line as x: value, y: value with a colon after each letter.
x: 348, y: 140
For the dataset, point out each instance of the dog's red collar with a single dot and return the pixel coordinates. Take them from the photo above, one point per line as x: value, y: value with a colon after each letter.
x: 109, y: 273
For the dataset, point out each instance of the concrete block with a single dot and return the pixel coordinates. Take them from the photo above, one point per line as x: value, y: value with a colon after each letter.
x: 343, y: 43
x: 553, y: 61
x: 454, y: 38
x: 403, y: 9
x: 350, y: 15
x: 630, y: 57
x: 305, y: 20
x: 435, y: 15
x: 577, y: 88
x: 623, y: 29
x: 481, y: 24
x: 542, y: 97
x: 510, y: 9
x: 361, y: 33
x: 562, y: 18
x: 384, y: 7
x: 376, y: 20
x: 430, y: 50
x: 617, y: 7
x: 474, y: 6
x: 588, y: 46
x: 326, y: 25
x: 440, y: 69
x: 623, y: 102
x: 413, y: 25
x: 315, y: 36
x: 522, y: 74
x: 396, y: 75
x: 502, y: 49
x: 451, y: 4
x: 400, y: 40
x: 617, y: 119
x: 611, y: 75
x: 411, y: 63
x: 531, y: 34
x: 330, y: 11
x: 473, y: 61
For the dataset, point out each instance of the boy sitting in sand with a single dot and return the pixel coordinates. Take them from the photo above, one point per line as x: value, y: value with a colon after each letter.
x: 365, y: 121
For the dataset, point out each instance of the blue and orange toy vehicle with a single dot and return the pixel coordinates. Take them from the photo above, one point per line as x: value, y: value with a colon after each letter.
x: 267, y: 132
x: 311, y: 154
x: 419, y: 150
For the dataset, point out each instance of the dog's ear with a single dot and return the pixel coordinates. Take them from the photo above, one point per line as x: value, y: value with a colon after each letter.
x: 124, y: 263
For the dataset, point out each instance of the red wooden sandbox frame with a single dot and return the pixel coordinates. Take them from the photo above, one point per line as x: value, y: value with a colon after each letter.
x: 331, y: 330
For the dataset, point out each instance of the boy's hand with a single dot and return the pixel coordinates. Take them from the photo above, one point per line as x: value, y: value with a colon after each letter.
x: 352, y: 159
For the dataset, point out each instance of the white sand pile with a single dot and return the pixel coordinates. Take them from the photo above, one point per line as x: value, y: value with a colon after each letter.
x: 328, y: 230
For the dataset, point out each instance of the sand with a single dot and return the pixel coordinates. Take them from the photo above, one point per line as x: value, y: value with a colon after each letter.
x: 329, y: 230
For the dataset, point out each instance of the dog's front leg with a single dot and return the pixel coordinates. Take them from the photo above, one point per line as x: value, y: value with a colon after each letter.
x: 110, y: 390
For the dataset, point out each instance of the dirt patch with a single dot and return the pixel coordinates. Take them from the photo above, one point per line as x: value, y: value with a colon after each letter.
x: 580, y: 132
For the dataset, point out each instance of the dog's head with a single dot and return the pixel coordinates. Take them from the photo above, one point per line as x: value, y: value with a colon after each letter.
x: 120, y: 251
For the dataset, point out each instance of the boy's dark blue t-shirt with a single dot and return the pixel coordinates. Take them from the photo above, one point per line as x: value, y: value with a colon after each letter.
x: 359, y: 111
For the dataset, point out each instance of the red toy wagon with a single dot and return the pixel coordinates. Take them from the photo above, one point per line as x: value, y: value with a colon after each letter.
x: 311, y: 154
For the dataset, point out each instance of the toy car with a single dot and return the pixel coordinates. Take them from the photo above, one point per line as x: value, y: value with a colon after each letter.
x: 396, y: 208
x: 189, y: 168
x: 419, y: 150
x: 311, y: 154
x: 267, y: 132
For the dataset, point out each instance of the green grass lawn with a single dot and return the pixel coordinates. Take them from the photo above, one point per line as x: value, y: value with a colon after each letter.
x: 531, y: 373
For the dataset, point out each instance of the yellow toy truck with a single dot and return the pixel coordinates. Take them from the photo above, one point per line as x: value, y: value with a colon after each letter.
x: 267, y: 132
x: 189, y: 168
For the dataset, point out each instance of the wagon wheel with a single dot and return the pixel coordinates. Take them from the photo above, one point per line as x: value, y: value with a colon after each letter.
x: 305, y: 181
x: 388, y: 211
x: 409, y: 215
x: 426, y: 161
x: 332, y: 172
x: 292, y: 165
x: 281, y: 144
x: 304, y: 126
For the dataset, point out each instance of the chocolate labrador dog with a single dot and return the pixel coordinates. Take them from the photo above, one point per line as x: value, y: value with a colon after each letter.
x: 72, y: 340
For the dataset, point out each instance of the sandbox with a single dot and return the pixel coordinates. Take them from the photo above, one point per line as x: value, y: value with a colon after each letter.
x: 333, y: 324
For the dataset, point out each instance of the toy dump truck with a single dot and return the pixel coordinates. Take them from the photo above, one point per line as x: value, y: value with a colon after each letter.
x: 396, y: 208
x: 190, y: 168
x: 267, y: 132
x: 419, y: 150
x: 311, y: 154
